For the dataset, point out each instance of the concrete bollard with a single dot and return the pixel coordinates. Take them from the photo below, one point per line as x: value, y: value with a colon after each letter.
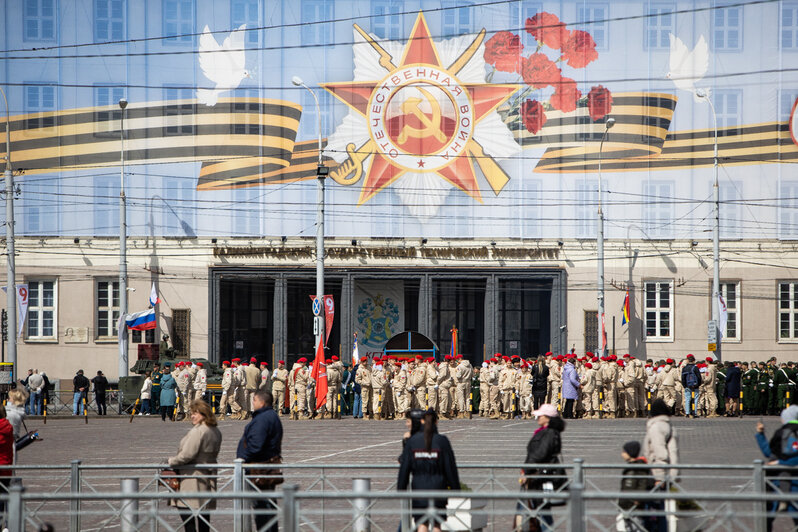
x: 130, y: 507
x: 361, y: 505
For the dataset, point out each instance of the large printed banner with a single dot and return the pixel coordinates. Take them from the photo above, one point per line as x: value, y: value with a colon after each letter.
x: 379, y: 313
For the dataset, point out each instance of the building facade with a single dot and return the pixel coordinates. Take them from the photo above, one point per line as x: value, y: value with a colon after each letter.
x: 464, y: 142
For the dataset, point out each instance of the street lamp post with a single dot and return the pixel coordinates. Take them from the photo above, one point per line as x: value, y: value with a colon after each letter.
x: 321, y: 174
x: 11, y: 288
x: 123, y: 355
x: 701, y: 93
x: 600, y: 245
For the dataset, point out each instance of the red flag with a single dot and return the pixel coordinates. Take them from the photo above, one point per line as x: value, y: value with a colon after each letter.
x: 319, y: 374
x: 329, y: 314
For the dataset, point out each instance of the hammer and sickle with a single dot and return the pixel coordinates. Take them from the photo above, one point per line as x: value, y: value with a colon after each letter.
x: 433, y: 125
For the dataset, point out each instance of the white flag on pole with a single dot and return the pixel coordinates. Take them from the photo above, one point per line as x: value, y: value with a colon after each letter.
x: 723, y: 314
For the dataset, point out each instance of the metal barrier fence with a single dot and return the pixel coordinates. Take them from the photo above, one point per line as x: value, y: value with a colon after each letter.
x: 364, y: 497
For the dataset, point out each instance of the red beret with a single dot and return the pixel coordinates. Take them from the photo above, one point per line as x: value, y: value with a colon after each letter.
x: 419, y: 357
x: 548, y: 353
x: 364, y: 359
x: 334, y: 357
x: 620, y: 363
x: 264, y: 363
x: 281, y: 362
x: 301, y: 360
x: 430, y: 359
x: 461, y: 356
x: 589, y: 354
x: 669, y: 361
x: 709, y: 359
x: 225, y: 362
x: 245, y: 363
x: 236, y: 360
x: 447, y: 357
x: 588, y: 365
x: 328, y: 361
x: 506, y: 358
x: 497, y: 355
x: 627, y: 355
x: 253, y: 359
x: 199, y: 364
x: 594, y: 359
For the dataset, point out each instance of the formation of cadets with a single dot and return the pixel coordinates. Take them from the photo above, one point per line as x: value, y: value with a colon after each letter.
x: 503, y: 387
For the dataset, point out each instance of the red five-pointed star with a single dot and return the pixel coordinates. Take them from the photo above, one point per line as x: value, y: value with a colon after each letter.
x: 410, y: 113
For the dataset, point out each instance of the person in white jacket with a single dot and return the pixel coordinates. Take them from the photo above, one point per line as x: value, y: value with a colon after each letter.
x: 146, y: 394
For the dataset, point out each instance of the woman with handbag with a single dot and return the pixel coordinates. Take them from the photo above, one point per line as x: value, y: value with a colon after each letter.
x: 200, y: 446
x: 543, y: 448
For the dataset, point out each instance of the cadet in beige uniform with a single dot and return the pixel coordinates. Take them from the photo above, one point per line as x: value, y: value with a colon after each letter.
x: 200, y: 384
x: 484, y: 391
x: 228, y: 393
x: 506, y: 387
x: 495, y: 392
x: 399, y: 384
x: 445, y: 383
x: 265, y: 377
x: 279, y: 382
x: 463, y: 375
x: 335, y: 374
x: 591, y: 395
x: 418, y: 383
x: 431, y: 381
x: 363, y: 378
x: 609, y: 376
x: 301, y: 383
x: 524, y: 387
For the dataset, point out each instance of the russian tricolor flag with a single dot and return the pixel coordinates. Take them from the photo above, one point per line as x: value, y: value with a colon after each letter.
x: 141, y: 321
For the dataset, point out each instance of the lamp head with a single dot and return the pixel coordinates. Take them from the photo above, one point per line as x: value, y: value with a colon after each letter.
x: 296, y: 80
x: 610, y: 122
x: 122, y: 103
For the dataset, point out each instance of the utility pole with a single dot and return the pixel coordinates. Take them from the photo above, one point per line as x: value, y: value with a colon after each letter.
x: 123, y: 355
x: 11, y: 284
x: 321, y: 173
x: 602, y: 345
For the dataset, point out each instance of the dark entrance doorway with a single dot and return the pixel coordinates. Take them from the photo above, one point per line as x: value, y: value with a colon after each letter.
x: 299, y: 318
x: 246, y: 315
x: 460, y: 304
x: 524, y: 307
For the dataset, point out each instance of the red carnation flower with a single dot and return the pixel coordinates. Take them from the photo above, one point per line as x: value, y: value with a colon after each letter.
x: 533, y: 115
x: 503, y: 51
x: 539, y: 71
x: 599, y: 102
x: 565, y: 96
x: 580, y: 49
x: 547, y: 29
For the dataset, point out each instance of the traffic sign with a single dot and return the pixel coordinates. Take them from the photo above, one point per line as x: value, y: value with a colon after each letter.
x: 316, y: 307
x: 712, y: 332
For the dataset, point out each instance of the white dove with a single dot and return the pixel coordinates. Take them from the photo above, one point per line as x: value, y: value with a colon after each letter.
x: 223, y: 65
x: 687, y: 68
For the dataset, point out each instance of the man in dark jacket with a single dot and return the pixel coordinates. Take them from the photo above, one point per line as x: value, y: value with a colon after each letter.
x: 80, y: 389
x: 691, y: 380
x: 100, y: 387
x: 262, y: 443
x: 732, y: 389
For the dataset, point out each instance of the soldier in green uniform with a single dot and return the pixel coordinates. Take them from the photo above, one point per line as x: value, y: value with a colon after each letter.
x: 476, y: 397
x: 792, y: 372
x: 155, y: 401
x: 720, y: 388
x: 782, y: 382
x: 773, y: 397
x: 749, y: 379
x: 347, y: 393
x: 762, y: 390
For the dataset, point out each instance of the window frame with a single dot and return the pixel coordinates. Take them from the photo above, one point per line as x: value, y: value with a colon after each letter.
x: 250, y: 37
x: 38, y: 17
x: 794, y: 27
x: 659, y: 338
x: 657, y: 228
x: 40, y: 122
x: 737, y: 311
x: 661, y: 8
x: 178, y: 111
x: 113, y: 337
x: 583, y: 25
x: 385, y: 21
x: 106, y: 122
x: 456, y: 28
x: 792, y: 310
x: 721, y: 8
x: 180, y: 36
x: 40, y: 309
x: 791, y: 210
x: 723, y: 116
x: 109, y: 21
x: 317, y: 32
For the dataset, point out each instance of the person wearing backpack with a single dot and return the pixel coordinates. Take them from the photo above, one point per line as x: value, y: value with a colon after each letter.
x: 691, y: 380
x: 782, y: 449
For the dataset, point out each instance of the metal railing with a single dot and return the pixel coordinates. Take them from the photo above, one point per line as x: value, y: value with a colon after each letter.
x: 135, y: 497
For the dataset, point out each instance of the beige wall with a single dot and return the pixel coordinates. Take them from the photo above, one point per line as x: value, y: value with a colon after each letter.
x: 183, y: 267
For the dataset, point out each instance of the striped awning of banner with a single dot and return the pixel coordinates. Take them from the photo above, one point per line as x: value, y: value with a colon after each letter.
x: 156, y: 132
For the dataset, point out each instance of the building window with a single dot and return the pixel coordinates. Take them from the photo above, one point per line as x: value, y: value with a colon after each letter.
x: 181, y: 331
x: 386, y: 19
x: 179, y: 117
x: 457, y: 18
x: 729, y: 196
x: 786, y: 102
x: 315, y: 15
x: 788, y: 308
x: 246, y: 12
x: 247, y: 113
x: 178, y: 206
x: 660, y: 22
x: 309, y: 126
x: 38, y: 20
x: 109, y: 20
x: 528, y: 206
x: 40, y: 212
x: 728, y: 108
x: 136, y: 337
x: 39, y: 99
x: 106, y: 205
x: 788, y: 210
x: 178, y: 21
x: 658, y: 209
x: 789, y: 26
x: 107, y: 123
x: 727, y: 28
x: 586, y: 207
x: 246, y: 215
x: 42, y: 310
x: 107, y: 309
x: 520, y: 12
x: 658, y: 308
x: 731, y: 295
x: 593, y: 18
